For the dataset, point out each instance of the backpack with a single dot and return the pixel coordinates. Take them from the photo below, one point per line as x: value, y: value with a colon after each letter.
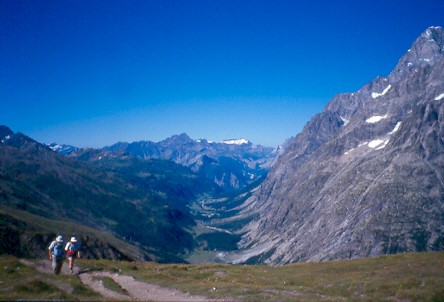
x: 72, y: 248
x: 57, y: 250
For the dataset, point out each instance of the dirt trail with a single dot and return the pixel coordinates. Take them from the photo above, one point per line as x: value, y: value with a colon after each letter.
x: 137, y: 290
x: 143, y: 291
x: 96, y: 285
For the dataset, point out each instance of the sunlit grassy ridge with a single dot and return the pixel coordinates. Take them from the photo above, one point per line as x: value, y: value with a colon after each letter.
x: 410, y: 277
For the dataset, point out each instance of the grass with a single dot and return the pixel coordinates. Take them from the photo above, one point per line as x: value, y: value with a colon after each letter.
x: 409, y: 277
x: 402, y: 277
x: 20, y: 282
x: 110, y: 284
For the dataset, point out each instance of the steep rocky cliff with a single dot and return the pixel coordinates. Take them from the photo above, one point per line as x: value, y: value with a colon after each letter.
x: 365, y: 176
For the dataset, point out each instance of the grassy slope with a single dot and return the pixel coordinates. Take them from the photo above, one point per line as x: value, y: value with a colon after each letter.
x: 403, y: 277
x: 40, y: 224
x: 409, y: 277
x: 20, y: 282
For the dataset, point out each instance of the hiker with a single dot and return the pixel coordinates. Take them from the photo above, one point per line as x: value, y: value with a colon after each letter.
x: 55, y: 253
x: 71, y: 248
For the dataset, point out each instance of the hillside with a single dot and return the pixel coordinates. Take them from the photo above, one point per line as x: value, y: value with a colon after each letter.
x: 142, y: 202
x: 27, y: 235
x: 405, y: 277
x: 365, y: 177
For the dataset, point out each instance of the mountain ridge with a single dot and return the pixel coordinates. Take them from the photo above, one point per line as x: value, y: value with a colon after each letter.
x: 101, y: 195
x: 231, y: 164
x: 343, y: 188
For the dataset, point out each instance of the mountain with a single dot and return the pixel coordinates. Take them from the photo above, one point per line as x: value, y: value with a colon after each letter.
x: 141, y: 202
x: 64, y: 149
x: 5, y: 133
x: 231, y: 164
x: 365, y: 176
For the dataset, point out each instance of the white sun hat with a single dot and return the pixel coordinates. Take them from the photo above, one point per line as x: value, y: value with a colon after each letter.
x: 59, y: 238
x: 73, y: 239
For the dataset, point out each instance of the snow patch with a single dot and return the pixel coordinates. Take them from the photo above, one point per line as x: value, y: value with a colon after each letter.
x: 353, y: 149
x: 378, y: 144
x: 55, y: 147
x: 344, y: 120
x: 377, y: 94
x: 409, y: 64
x: 349, y: 151
x: 6, y: 138
x: 241, y: 141
x: 375, y: 119
x: 439, y: 97
x: 398, y: 124
x: 428, y: 34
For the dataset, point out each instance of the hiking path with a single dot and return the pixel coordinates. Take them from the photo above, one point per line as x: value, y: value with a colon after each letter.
x: 136, y: 290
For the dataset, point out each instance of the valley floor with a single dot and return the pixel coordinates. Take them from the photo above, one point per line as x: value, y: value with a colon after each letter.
x: 403, y: 277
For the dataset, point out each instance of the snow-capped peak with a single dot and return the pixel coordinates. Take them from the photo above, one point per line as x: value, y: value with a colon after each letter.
x: 55, y: 147
x: 64, y: 149
x: 241, y: 141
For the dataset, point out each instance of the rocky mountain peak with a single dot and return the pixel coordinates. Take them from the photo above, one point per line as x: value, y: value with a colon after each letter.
x: 428, y: 46
x: 426, y: 50
x: 179, y: 139
x: 434, y: 33
x: 365, y: 176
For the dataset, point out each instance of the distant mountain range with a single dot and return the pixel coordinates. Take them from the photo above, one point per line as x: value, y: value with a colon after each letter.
x: 142, y: 202
x: 365, y: 177
x: 137, y: 192
x: 231, y: 164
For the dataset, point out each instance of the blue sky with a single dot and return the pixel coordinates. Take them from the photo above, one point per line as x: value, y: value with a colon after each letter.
x: 92, y: 73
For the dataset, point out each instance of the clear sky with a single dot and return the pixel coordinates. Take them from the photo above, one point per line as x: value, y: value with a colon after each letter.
x: 92, y: 73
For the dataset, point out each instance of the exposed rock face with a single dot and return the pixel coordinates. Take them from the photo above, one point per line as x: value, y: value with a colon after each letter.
x: 366, y: 176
